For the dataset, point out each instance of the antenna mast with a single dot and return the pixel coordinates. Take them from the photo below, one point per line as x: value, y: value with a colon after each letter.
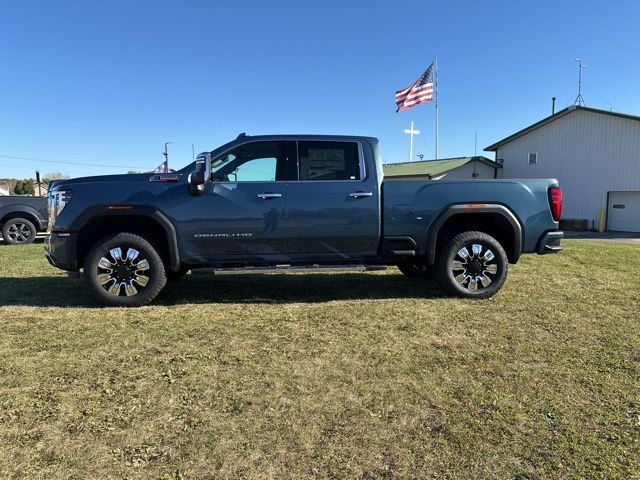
x: 579, y: 99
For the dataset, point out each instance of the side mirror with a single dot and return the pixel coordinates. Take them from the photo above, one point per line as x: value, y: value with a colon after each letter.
x: 198, y: 178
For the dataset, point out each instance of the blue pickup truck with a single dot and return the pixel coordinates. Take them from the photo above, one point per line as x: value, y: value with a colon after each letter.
x: 268, y: 203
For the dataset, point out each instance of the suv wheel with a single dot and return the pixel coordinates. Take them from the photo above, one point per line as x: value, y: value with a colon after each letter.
x: 472, y: 265
x: 415, y: 270
x: 124, y: 270
x: 18, y: 231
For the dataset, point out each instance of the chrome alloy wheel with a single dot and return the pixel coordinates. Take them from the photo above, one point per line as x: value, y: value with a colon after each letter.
x: 19, y: 232
x: 473, y: 267
x: 123, y: 275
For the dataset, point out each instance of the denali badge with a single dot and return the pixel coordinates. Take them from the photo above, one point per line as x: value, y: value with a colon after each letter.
x: 221, y: 235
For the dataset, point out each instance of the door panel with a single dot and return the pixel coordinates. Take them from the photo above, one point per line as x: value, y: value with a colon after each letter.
x: 235, y: 219
x: 331, y: 211
x: 240, y: 211
x: 325, y: 219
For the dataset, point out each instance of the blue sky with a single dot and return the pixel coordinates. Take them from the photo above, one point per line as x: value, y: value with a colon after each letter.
x: 107, y: 83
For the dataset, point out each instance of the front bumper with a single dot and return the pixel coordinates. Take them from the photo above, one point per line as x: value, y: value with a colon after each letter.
x: 60, y: 250
x: 550, y: 242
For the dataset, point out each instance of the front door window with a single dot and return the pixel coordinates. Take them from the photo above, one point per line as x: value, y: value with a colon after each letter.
x: 252, y: 162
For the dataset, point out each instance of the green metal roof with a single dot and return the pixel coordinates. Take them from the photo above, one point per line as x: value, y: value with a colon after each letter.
x: 432, y: 168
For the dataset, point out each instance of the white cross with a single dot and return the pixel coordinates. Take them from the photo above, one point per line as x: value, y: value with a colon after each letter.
x: 411, y: 132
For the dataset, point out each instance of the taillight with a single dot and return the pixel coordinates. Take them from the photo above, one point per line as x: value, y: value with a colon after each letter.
x: 555, y: 202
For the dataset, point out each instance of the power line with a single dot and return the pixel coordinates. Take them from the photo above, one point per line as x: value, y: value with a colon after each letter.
x: 388, y: 150
x: 29, y: 159
x: 613, y: 107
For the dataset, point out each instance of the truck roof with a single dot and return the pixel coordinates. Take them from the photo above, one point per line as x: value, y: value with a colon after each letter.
x: 304, y: 136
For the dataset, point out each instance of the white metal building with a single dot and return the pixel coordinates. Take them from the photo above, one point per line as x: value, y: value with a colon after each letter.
x: 595, y: 154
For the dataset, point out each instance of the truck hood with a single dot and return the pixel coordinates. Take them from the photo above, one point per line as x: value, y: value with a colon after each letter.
x: 121, y: 178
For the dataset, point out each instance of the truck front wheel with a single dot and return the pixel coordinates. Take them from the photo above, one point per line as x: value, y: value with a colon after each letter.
x: 472, y: 265
x: 124, y: 270
x: 18, y: 231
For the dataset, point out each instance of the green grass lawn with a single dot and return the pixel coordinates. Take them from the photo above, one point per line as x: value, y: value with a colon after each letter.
x: 325, y: 375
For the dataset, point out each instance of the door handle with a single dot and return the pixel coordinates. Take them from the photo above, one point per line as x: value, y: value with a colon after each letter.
x: 269, y: 195
x: 360, y: 194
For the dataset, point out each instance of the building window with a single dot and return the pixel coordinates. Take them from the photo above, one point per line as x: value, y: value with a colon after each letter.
x: 533, y: 158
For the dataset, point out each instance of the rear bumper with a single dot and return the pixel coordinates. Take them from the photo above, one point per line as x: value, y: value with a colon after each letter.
x: 550, y: 242
x: 60, y: 250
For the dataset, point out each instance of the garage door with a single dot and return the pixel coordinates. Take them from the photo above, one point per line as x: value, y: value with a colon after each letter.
x: 624, y: 211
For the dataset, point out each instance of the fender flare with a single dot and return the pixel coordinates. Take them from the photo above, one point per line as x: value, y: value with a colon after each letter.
x: 135, y: 210
x: 32, y: 212
x: 452, y: 210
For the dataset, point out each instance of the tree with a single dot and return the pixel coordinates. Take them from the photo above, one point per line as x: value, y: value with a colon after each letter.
x: 55, y: 176
x: 24, y: 187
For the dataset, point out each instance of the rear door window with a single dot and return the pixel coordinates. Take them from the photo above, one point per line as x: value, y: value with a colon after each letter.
x: 324, y: 160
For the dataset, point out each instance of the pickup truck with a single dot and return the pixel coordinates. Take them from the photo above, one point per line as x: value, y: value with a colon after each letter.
x: 21, y: 218
x: 267, y: 203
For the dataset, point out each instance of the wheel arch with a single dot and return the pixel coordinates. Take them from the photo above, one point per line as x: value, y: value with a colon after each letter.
x: 21, y: 211
x: 494, y: 219
x: 148, y: 222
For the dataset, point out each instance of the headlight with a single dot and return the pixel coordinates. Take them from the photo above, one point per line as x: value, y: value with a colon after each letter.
x: 58, y: 199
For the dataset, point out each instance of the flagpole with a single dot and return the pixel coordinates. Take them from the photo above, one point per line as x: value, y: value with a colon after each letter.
x: 437, y: 126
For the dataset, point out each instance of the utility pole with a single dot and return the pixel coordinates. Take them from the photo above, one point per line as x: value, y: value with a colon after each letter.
x: 475, y: 145
x: 39, y: 183
x: 579, y: 99
x: 166, y: 157
x: 411, y: 132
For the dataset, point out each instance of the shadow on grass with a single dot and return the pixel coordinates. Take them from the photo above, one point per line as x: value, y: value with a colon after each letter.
x: 272, y: 288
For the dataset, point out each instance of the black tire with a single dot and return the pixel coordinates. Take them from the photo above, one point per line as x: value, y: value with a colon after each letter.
x: 484, y: 256
x: 175, y: 276
x: 120, y: 273
x: 416, y: 270
x: 19, y: 231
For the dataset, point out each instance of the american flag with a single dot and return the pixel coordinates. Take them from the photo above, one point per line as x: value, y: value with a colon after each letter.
x: 418, y: 92
x: 162, y: 168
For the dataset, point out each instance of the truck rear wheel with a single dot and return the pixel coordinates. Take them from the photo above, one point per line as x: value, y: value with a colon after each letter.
x: 124, y: 270
x: 472, y: 265
x: 18, y: 231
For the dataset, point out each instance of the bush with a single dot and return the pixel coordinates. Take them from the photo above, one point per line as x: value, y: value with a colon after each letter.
x: 24, y: 187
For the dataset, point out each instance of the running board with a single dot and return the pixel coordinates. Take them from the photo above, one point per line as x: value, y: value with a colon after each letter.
x: 403, y: 253
x: 286, y: 268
